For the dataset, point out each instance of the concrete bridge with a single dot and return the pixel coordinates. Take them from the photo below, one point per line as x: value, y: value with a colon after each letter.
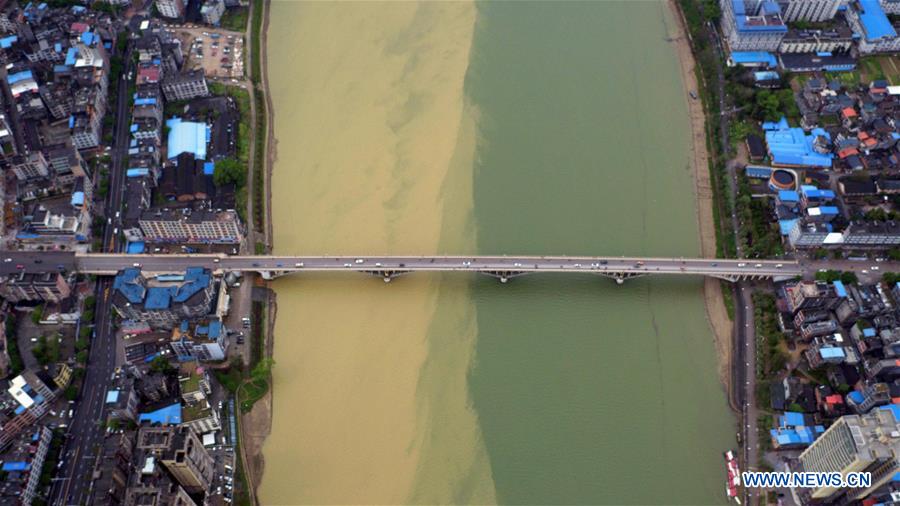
x: 389, y: 267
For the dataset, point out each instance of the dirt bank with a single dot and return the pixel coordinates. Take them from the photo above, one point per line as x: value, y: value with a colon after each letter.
x: 715, y: 307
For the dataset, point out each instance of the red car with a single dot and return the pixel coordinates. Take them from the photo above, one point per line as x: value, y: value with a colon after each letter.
x: 20, y: 266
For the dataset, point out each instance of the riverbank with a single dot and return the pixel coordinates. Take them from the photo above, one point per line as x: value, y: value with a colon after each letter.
x: 716, y: 312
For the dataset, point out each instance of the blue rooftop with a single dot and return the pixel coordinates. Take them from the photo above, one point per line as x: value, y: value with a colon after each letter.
x: 135, y: 247
x: 187, y: 137
x: 811, y: 192
x: 7, y: 42
x: 745, y: 20
x: 70, y: 56
x: 87, y: 38
x: 128, y: 283
x: 196, y: 280
x: 754, y: 58
x: 112, y: 396
x: 767, y: 75
x: 856, y: 396
x: 16, y: 466
x: 209, y: 168
x: 792, y: 418
x: 840, y: 289
x: 169, y: 415
x: 874, y: 22
x: 19, y: 76
x: 833, y: 352
x: 792, y: 147
x: 785, y: 226
x: 869, y: 332
x: 158, y: 298
x: 788, y: 196
x: 893, y: 408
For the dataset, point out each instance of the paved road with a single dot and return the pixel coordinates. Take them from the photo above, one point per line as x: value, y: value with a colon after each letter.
x: 745, y: 368
x: 86, y: 429
x: 507, y: 266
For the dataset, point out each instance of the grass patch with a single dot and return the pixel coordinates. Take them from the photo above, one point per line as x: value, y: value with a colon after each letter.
x: 235, y: 19
x: 728, y: 299
x: 252, y: 391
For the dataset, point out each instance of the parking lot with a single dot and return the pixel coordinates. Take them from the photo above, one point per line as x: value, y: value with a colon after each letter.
x: 220, y: 53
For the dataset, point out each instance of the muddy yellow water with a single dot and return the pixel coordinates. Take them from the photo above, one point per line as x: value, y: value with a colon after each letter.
x: 375, y: 143
x: 496, y: 127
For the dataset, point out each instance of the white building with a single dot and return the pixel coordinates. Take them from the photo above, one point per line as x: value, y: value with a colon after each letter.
x: 752, y: 25
x: 172, y: 9
x: 809, y: 10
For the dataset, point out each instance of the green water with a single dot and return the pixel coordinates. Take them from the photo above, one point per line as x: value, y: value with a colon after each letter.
x: 588, y: 392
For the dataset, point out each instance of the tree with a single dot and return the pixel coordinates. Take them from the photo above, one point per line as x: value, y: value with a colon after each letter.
x: 81, y: 344
x: 768, y: 106
x: 71, y: 393
x: 848, y: 277
x: 82, y: 357
x: 37, y: 314
x: 795, y: 408
x: 161, y: 365
x: 262, y: 369
x: 228, y: 171
x: 90, y: 302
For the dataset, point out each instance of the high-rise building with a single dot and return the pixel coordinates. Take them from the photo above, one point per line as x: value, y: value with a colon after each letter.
x: 172, y: 9
x: 856, y: 443
x: 752, y: 25
x: 182, y: 453
x: 809, y: 10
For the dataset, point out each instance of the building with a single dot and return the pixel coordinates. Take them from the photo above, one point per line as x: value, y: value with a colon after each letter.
x: 838, y: 39
x: 34, y: 287
x: 172, y: 9
x: 206, y: 341
x: 863, y: 443
x: 794, y: 430
x: 185, y: 86
x: 877, y: 35
x: 875, y: 394
x: 814, y: 11
x: 21, y: 467
x: 194, y: 386
x: 165, y: 300
x: 752, y: 25
x: 122, y: 402
x: 872, y: 234
x: 188, y: 226
x: 809, y: 295
x: 212, y: 11
x: 112, y: 469
x: 30, y: 166
x: 181, y: 452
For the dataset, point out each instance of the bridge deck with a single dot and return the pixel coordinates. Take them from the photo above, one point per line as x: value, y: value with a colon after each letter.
x: 614, y: 266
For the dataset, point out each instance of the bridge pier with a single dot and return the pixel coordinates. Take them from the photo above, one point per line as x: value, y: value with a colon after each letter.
x: 386, y: 275
x: 620, y: 277
x: 504, y: 276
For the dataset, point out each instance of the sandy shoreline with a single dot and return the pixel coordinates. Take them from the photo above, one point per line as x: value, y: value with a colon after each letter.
x: 712, y: 289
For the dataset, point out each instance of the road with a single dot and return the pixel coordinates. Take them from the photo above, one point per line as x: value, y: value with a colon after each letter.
x: 500, y: 266
x: 86, y: 429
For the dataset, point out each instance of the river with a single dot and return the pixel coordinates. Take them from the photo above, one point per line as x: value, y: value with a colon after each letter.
x: 496, y: 127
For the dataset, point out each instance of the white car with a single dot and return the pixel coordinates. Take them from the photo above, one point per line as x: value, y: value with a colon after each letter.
x: 359, y: 261
x: 742, y: 264
x: 298, y: 264
x: 874, y: 267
